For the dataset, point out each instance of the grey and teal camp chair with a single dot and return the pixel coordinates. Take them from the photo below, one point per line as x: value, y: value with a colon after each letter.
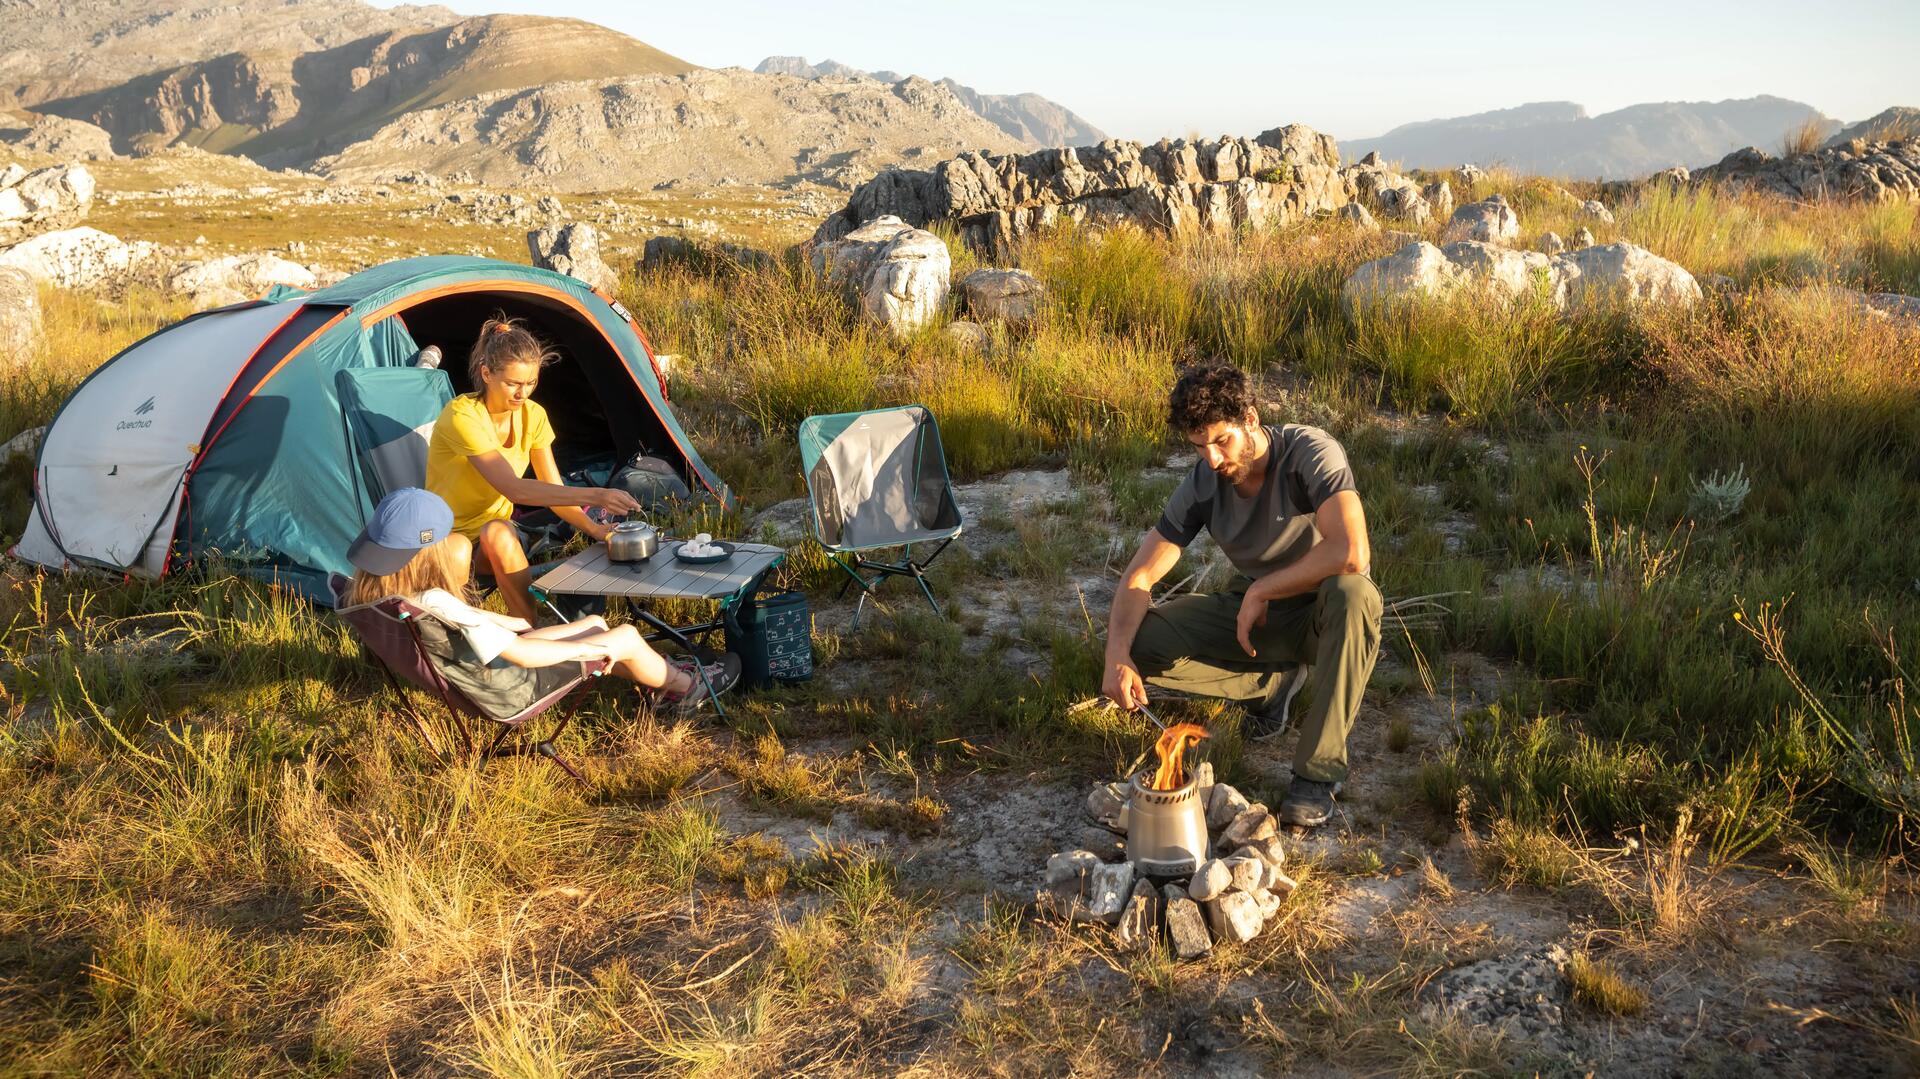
x: 879, y: 480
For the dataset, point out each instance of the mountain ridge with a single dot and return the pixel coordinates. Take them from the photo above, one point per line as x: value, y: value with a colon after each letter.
x: 1559, y: 138
x: 1031, y: 118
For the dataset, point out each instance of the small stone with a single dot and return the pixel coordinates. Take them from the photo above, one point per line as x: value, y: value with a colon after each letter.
x: 1252, y: 823
x: 1186, y: 926
x: 1356, y: 215
x: 1269, y: 851
x: 1213, y: 877
x: 1582, y: 239
x: 1224, y: 804
x: 1071, y: 867
x: 1235, y: 916
x: 1268, y: 903
x: 1141, y: 919
x: 1550, y: 243
x: 970, y: 337
x: 1110, y: 887
x: 1104, y: 803
x: 1249, y: 872
x: 1278, y: 881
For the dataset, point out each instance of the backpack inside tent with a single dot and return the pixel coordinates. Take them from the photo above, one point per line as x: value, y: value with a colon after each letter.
x: 264, y: 433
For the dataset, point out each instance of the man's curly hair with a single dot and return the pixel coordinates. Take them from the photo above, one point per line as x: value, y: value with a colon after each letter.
x: 1209, y: 393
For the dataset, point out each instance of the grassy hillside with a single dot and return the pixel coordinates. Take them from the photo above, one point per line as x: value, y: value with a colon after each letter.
x: 1662, y: 722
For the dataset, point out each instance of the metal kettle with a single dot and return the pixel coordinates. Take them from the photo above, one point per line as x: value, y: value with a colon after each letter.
x: 632, y: 541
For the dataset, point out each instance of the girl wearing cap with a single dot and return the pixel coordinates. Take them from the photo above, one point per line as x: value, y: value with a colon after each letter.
x: 411, y: 549
x: 483, y: 443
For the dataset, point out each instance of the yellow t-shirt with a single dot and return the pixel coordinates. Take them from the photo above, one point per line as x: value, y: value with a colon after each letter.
x: 464, y: 430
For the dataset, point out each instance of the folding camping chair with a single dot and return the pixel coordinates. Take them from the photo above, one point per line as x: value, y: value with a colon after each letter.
x: 390, y: 630
x: 879, y: 479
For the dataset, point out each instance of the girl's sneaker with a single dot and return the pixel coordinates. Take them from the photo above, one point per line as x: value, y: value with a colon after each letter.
x: 723, y: 673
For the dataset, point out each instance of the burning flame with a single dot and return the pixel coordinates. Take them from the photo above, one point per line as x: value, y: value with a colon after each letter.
x: 1171, y: 749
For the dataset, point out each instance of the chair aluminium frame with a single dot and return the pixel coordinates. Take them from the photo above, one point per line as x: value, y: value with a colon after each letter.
x: 389, y: 628
x: 879, y: 479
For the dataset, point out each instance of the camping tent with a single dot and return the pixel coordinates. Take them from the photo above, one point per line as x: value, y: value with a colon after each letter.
x: 264, y: 432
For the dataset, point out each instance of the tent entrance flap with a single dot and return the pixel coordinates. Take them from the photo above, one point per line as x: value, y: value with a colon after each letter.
x: 390, y: 412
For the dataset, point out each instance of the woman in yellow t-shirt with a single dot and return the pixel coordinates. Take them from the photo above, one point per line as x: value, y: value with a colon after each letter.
x: 482, y: 445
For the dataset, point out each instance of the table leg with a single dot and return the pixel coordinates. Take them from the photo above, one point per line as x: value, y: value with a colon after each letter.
x: 685, y: 642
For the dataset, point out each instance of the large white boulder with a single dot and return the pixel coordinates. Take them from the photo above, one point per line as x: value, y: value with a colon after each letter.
x: 19, y: 315
x: 42, y: 200
x: 1439, y: 196
x: 77, y: 258
x: 1505, y: 272
x: 1489, y: 221
x: 1011, y: 296
x: 1612, y: 274
x: 237, y: 278
x: 1417, y: 269
x: 848, y: 261
x: 573, y: 249
x: 1622, y: 273
x: 908, y: 283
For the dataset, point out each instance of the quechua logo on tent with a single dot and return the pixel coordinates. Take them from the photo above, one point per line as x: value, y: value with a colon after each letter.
x: 141, y: 409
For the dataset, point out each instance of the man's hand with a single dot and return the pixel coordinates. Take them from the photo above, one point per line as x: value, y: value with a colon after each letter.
x: 1253, y: 612
x: 1123, y: 686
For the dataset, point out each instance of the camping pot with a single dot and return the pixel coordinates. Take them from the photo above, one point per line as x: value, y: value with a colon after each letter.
x: 632, y: 541
x: 1166, y: 830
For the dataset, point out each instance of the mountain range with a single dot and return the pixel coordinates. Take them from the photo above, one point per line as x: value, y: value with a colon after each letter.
x: 1030, y: 118
x: 1559, y: 138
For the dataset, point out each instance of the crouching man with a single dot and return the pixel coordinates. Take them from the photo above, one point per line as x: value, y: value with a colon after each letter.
x: 1280, y: 502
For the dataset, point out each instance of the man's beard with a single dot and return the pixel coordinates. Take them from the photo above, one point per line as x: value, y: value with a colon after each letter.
x: 1236, y: 470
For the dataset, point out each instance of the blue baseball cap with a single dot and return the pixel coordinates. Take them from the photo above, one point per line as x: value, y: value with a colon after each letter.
x: 403, y: 524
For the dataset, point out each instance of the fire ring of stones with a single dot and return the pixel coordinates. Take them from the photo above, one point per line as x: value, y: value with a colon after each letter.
x: 1230, y: 896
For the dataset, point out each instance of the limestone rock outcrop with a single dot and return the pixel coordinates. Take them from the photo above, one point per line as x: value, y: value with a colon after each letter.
x: 43, y: 200
x: 67, y: 139
x: 908, y: 283
x: 78, y: 258
x: 19, y: 315
x: 1862, y: 171
x: 1175, y: 186
x: 237, y: 278
x: 573, y: 249
x: 1622, y: 273
x: 1011, y: 296
x: 1618, y: 273
x: 1489, y: 221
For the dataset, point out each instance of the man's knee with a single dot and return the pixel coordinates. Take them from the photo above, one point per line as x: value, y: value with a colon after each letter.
x: 1156, y: 645
x: 1350, y: 597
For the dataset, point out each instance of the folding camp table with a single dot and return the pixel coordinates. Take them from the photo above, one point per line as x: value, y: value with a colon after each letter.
x: 664, y: 576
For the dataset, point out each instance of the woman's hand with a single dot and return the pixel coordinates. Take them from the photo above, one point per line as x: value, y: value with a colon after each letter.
x: 610, y: 499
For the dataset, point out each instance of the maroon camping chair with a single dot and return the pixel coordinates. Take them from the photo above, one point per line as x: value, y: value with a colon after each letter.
x: 390, y: 629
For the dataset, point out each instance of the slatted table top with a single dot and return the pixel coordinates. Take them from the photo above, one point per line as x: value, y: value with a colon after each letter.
x: 663, y: 576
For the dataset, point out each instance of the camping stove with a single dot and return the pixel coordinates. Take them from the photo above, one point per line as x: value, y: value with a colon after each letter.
x: 1166, y: 830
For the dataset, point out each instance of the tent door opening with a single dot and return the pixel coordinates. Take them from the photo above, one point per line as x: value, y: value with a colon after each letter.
x: 598, y: 413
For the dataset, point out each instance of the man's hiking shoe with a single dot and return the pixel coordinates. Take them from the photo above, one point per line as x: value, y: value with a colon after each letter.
x: 1308, y: 803
x: 723, y: 673
x: 1270, y: 718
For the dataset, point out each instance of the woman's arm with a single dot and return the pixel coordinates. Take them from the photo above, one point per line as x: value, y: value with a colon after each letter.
x: 525, y: 492
x: 547, y: 470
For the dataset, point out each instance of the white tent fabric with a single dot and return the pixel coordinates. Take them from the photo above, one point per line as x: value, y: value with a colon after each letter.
x: 875, y: 465
x: 109, y: 472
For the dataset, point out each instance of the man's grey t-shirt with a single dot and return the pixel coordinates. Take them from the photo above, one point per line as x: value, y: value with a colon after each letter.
x: 1274, y: 527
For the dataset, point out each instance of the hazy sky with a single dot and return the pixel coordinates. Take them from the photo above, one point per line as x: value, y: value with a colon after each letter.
x: 1143, y: 70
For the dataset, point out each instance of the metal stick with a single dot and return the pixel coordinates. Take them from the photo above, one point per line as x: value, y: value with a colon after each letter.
x: 1148, y: 712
